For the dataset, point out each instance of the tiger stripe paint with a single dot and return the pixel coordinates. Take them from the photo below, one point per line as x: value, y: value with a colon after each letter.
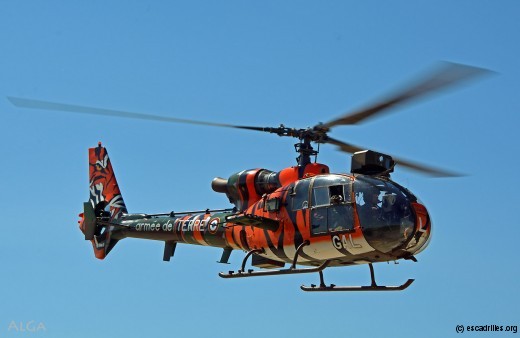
x: 344, y: 247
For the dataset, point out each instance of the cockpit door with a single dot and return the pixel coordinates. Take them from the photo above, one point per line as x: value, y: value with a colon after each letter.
x: 331, y: 205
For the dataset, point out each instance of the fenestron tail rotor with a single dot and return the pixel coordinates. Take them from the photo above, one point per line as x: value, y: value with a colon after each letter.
x: 448, y: 75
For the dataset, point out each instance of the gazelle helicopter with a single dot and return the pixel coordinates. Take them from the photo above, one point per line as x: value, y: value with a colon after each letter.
x: 301, y: 215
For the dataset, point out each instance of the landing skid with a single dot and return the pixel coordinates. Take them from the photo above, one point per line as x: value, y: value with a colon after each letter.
x: 372, y: 287
x: 242, y: 273
x: 290, y: 271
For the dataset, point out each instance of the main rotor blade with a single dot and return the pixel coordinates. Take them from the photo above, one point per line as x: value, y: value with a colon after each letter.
x: 425, y: 169
x: 421, y: 168
x: 448, y: 74
x: 346, y: 147
x: 46, y: 105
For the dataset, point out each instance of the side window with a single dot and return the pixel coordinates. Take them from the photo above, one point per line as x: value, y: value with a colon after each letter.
x: 332, y: 209
x: 321, y: 196
x: 300, y: 199
x: 340, y: 217
x: 319, y: 221
x: 335, y: 194
x: 339, y: 194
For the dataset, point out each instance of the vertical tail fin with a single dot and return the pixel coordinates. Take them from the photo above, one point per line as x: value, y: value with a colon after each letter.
x: 104, y: 190
x: 106, y: 202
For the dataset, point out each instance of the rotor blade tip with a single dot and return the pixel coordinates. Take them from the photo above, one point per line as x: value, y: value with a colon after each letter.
x: 13, y: 100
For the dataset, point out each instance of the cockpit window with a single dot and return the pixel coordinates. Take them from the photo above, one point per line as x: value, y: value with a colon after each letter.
x: 329, y: 180
x: 331, y: 188
x: 301, y: 195
x: 321, y: 196
x: 378, y: 199
x: 384, y: 211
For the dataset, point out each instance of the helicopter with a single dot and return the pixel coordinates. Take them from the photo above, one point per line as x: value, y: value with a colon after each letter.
x: 303, y: 216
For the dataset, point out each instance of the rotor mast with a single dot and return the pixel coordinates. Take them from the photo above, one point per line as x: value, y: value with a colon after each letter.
x: 305, y: 149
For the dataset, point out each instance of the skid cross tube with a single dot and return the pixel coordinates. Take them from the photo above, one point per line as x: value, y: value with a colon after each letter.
x: 372, y: 287
x: 292, y: 270
x: 247, y: 257
x: 298, y: 250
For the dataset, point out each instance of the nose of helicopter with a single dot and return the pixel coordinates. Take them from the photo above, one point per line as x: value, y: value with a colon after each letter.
x: 423, y: 228
x: 390, y: 230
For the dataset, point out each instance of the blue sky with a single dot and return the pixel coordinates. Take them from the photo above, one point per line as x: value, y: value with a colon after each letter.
x: 251, y: 63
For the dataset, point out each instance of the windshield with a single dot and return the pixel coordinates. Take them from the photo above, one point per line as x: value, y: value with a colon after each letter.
x: 384, y: 212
